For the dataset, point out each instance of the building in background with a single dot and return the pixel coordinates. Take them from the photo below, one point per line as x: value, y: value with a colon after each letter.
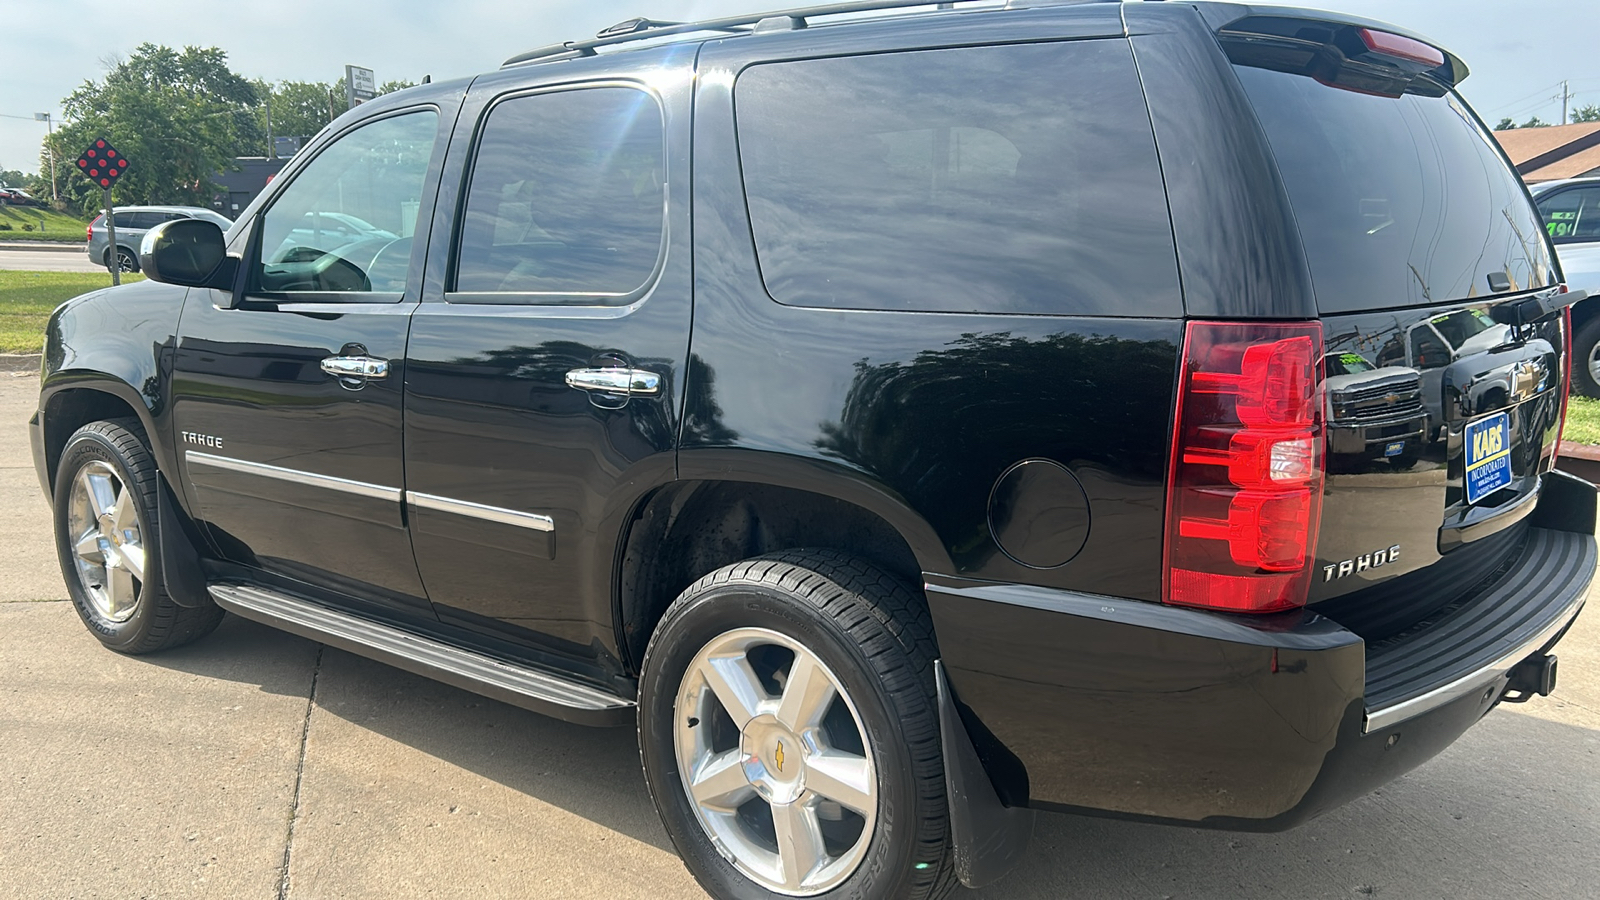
x: 237, y: 189
x: 1554, y: 152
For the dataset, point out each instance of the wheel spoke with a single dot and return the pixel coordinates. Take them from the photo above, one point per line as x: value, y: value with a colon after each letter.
x: 842, y: 778
x: 799, y: 841
x: 119, y: 589
x: 807, y: 694
x: 133, y: 559
x: 124, y: 516
x: 736, y: 685
x: 88, y: 547
x: 720, y: 782
x: 102, y: 495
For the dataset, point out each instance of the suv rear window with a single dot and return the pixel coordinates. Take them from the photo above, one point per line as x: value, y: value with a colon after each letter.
x: 1400, y: 201
x: 1019, y: 179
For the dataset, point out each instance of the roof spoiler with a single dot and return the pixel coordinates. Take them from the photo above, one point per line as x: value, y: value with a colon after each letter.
x: 1344, y: 52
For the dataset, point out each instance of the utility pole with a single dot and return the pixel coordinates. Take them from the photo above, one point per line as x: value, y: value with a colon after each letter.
x: 50, y: 142
x: 272, y: 152
x: 1565, y: 96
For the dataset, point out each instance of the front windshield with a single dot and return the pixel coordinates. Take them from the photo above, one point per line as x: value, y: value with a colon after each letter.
x: 1346, y: 364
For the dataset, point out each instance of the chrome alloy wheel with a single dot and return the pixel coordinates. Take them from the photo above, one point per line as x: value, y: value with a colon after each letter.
x: 1594, y: 363
x: 775, y: 762
x: 107, y: 541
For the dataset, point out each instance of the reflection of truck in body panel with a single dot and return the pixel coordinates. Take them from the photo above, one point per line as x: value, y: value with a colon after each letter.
x: 1370, y: 410
x: 1432, y: 347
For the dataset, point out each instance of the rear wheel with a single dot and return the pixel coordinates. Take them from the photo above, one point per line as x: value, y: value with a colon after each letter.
x: 126, y: 260
x: 109, y: 543
x: 789, y: 732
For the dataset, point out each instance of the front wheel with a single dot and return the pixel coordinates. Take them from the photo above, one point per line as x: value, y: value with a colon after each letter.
x: 789, y: 732
x: 109, y: 543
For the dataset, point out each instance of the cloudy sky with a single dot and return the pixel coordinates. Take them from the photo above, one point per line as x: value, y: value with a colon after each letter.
x: 1515, y: 50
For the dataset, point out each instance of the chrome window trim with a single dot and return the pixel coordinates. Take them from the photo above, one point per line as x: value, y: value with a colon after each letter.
x: 294, y: 476
x: 504, y: 516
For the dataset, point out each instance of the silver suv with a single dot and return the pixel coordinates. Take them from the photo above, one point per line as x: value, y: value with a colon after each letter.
x: 132, y: 222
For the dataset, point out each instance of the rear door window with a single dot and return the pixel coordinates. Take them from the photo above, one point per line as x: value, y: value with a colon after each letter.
x: 567, y: 200
x: 1018, y: 179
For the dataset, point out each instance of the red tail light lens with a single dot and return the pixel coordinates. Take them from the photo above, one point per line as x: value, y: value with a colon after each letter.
x: 1245, y: 492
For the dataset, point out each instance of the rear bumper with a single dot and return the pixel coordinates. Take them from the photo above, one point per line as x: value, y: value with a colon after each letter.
x: 1090, y: 704
x: 1360, y: 438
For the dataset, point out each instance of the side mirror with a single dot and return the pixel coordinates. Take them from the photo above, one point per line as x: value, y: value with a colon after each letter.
x: 189, y: 252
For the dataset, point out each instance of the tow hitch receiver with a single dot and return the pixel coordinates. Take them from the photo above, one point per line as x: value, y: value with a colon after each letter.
x: 1535, y: 675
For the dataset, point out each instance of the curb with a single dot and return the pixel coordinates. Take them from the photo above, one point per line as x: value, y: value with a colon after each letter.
x: 57, y: 246
x: 20, y: 363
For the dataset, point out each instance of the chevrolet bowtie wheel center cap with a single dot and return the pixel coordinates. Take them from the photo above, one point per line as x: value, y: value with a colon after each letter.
x: 774, y: 760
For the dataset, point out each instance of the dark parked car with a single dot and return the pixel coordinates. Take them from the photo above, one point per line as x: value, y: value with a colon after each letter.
x: 10, y: 196
x: 991, y: 477
x: 132, y: 222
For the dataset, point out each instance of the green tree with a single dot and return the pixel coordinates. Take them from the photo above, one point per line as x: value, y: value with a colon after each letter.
x: 13, y: 178
x: 1590, y: 113
x: 179, y: 117
x: 1534, y: 122
x: 1505, y: 124
x: 301, y: 108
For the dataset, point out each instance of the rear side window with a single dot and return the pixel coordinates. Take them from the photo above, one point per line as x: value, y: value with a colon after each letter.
x: 1572, y: 215
x: 567, y: 200
x: 1016, y: 179
x: 1401, y: 201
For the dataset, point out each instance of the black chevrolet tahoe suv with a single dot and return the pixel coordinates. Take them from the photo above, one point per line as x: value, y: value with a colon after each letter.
x: 909, y: 423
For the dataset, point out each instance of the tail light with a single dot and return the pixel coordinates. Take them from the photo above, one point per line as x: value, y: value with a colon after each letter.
x: 1245, y: 491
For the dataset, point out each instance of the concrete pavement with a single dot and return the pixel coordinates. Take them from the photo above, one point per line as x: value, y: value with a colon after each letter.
x: 259, y: 765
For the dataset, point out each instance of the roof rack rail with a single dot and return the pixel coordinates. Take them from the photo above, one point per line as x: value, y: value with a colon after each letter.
x: 644, y: 29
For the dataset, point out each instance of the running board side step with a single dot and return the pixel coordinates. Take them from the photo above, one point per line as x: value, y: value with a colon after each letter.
x: 517, y: 685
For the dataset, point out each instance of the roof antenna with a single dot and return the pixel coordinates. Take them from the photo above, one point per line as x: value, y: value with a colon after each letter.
x: 427, y: 79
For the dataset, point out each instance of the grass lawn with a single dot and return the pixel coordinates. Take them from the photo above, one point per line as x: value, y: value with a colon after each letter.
x: 28, y: 298
x: 48, y: 225
x: 1583, y: 421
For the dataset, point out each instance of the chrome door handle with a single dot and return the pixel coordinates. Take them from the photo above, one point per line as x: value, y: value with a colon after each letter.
x: 632, y: 382
x: 362, y: 368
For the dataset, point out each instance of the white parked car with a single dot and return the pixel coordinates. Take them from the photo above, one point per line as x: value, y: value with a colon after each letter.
x: 1571, y: 212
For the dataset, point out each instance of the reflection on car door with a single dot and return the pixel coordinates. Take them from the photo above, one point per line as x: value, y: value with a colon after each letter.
x: 288, y: 405
x: 519, y: 465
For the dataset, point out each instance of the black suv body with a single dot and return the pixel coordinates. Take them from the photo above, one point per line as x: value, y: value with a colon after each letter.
x: 973, y: 358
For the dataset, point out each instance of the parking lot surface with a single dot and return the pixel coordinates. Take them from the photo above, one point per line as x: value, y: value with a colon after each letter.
x: 255, y: 764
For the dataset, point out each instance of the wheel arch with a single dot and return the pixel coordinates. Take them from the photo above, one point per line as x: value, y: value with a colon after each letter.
x: 75, y: 399
x: 688, y: 528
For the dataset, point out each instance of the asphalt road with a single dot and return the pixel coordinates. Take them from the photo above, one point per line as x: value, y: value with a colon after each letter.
x: 261, y: 766
x: 28, y: 259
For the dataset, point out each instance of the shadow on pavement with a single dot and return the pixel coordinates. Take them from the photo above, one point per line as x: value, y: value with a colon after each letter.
x: 1511, y: 810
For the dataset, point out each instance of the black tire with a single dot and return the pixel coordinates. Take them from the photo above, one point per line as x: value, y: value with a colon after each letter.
x: 126, y: 259
x: 874, y: 633
x: 156, y: 621
x: 1584, y: 344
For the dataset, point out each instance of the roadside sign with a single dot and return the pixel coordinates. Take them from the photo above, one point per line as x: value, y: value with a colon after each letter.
x: 102, y: 163
x: 359, y: 85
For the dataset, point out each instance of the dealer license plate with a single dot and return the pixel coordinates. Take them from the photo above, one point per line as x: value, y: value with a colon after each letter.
x: 1488, y: 456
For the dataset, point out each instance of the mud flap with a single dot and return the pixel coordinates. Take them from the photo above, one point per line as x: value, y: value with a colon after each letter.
x: 180, y: 562
x: 990, y: 838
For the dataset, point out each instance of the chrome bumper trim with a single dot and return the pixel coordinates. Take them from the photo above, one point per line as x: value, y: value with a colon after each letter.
x: 1471, y: 683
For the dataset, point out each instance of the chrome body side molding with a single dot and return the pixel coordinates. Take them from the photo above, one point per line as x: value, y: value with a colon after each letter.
x: 296, y: 476
x: 498, y: 514
x: 518, y: 685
